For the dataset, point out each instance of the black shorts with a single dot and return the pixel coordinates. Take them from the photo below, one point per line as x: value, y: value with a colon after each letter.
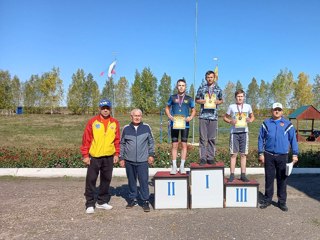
x: 175, y: 135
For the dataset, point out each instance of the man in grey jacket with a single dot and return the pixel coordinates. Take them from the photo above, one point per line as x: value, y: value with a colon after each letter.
x: 136, y: 152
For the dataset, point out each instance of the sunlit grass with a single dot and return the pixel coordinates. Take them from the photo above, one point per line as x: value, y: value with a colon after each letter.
x: 65, y: 131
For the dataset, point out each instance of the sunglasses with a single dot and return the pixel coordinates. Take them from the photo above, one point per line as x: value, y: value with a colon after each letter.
x: 105, y: 107
x: 277, y: 109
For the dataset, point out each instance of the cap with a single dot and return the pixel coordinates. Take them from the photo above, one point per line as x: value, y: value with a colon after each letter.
x: 105, y: 103
x: 276, y: 105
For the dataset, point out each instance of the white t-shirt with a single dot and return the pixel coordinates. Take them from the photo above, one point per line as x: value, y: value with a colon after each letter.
x: 239, y: 113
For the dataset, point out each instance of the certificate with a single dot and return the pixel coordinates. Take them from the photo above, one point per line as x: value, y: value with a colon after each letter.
x: 179, y: 122
x: 241, y: 120
x: 289, y: 167
x: 210, y: 101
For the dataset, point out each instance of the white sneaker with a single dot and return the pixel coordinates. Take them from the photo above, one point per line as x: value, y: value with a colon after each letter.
x: 104, y: 206
x: 173, y: 170
x: 90, y: 210
x: 182, y: 170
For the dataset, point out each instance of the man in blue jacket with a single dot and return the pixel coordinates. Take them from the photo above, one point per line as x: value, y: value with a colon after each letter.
x: 136, y: 152
x: 275, y: 138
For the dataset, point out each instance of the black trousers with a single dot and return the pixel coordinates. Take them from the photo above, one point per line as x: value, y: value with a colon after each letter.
x: 104, y: 165
x: 275, y: 166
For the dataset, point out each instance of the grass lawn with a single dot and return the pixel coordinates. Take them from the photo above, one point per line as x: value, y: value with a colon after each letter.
x: 65, y: 131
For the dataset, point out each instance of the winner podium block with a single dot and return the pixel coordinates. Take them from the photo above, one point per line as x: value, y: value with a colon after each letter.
x: 207, y: 185
x: 171, y: 191
x: 241, y: 194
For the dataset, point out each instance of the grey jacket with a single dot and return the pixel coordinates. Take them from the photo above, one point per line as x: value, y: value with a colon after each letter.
x: 136, y: 145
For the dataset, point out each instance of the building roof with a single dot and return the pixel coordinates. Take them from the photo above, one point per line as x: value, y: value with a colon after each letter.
x: 307, y: 112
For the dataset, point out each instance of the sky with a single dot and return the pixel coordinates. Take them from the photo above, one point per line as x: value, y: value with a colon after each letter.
x: 250, y: 38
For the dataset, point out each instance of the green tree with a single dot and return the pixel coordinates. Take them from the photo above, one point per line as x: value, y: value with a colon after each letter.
x: 282, y: 88
x: 6, y: 97
x: 228, y: 95
x: 191, y: 91
x: 239, y: 85
x: 265, y: 96
x: 91, y: 94
x: 51, y: 90
x: 108, y: 91
x: 136, y: 91
x: 144, y: 91
x: 149, y: 89
x: 164, y: 90
x: 316, y: 91
x: 253, y: 94
x: 16, y: 92
x: 31, y: 94
x: 75, y: 101
x: 122, y: 94
x: 303, y: 91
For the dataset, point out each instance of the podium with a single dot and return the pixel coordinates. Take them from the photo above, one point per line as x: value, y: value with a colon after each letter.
x: 241, y: 194
x: 206, y: 185
x: 171, y: 191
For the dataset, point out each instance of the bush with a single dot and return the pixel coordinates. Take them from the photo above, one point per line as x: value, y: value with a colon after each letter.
x: 14, y: 157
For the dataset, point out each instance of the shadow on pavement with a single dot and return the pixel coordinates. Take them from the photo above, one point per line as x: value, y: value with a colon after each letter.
x: 309, y: 184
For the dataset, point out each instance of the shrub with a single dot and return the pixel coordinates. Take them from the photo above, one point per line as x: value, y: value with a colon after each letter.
x: 15, y: 157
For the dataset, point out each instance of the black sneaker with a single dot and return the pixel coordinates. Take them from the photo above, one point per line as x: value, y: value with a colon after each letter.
x: 202, y: 162
x: 231, y: 178
x: 243, y: 178
x: 145, y: 206
x: 211, y: 162
x: 265, y: 204
x: 131, y: 204
x: 283, y: 207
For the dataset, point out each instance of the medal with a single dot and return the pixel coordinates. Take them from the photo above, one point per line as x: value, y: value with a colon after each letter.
x: 210, y: 101
x: 240, y: 112
x: 180, y: 110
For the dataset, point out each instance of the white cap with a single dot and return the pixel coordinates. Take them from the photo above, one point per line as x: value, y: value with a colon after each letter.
x: 276, y: 105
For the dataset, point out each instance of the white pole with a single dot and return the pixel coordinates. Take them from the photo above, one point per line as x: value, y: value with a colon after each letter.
x: 195, y: 63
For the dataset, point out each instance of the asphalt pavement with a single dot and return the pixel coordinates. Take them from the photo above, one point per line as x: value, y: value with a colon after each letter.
x: 53, y: 208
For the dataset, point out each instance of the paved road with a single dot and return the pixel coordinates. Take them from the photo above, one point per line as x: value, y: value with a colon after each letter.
x: 54, y: 209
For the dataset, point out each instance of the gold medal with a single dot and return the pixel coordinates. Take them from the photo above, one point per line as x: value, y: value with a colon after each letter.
x: 240, y: 118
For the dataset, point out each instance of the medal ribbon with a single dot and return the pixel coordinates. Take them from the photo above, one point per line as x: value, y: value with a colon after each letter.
x: 240, y: 112
x: 210, y: 91
x: 180, y: 98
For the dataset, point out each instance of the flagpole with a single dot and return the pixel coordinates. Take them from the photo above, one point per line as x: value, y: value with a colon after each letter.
x: 114, y: 99
x: 195, y: 63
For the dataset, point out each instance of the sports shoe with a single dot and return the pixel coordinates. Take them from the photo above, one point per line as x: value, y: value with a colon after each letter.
x: 211, y: 162
x: 132, y: 203
x: 104, y: 206
x: 145, y: 206
x: 283, y: 207
x: 231, y: 178
x: 182, y: 170
x: 243, y: 178
x: 202, y: 162
x: 90, y: 210
x: 265, y: 204
x: 173, y: 170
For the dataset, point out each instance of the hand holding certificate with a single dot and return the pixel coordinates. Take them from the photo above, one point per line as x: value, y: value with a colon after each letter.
x: 179, y: 122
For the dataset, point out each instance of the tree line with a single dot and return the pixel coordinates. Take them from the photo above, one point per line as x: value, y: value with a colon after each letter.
x: 45, y: 94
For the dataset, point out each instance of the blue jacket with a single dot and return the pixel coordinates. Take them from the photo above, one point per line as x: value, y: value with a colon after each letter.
x: 136, y: 146
x: 276, y: 136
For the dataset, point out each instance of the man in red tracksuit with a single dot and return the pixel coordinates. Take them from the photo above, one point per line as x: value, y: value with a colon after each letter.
x: 100, y: 150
